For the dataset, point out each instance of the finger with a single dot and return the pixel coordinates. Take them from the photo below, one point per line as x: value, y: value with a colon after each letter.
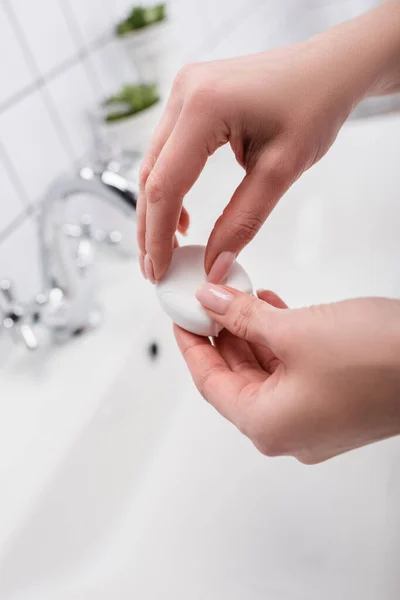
x: 158, y: 140
x: 245, y: 316
x: 213, y: 378
x: 239, y: 356
x: 141, y: 221
x: 251, y: 204
x: 265, y: 357
x: 184, y: 221
x: 271, y: 298
x: 141, y: 265
x: 177, y: 168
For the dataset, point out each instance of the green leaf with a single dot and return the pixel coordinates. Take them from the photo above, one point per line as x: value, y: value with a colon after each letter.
x: 131, y: 100
x: 141, y: 17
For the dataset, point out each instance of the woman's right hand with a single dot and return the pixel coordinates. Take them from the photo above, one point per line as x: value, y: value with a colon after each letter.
x: 309, y: 382
x: 280, y: 111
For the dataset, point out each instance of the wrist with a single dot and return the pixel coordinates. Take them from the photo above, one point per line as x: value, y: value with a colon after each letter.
x: 364, y: 54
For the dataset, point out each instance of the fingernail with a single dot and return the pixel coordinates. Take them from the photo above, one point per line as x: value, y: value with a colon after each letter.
x: 141, y: 265
x: 221, y: 267
x: 214, y: 297
x: 149, y: 269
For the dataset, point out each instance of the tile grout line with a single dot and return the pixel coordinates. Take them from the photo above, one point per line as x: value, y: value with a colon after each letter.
x: 76, y: 33
x: 39, y: 84
x: 29, y: 208
x: 15, y: 179
x: 63, y: 67
x: 13, y: 226
x: 19, y: 96
x: 46, y: 96
x: 21, y: 193
x: 57, y: 71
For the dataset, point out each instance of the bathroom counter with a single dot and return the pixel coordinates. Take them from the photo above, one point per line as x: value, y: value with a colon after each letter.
x: 49, y: 396
x: 69, y: 422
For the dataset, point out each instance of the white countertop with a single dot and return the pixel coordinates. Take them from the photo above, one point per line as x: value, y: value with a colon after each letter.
x: 47, y: 397
x: 334, y: 235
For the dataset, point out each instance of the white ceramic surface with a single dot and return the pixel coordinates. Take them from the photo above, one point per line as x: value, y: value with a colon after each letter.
x: 148, y: 49
x: 117, y: 479
x: 134, y: 133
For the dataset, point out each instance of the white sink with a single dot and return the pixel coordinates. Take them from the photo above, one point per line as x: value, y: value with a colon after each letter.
x: 119, y: 481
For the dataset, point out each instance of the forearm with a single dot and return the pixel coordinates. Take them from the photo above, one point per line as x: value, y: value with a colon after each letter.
x: 364, y: 53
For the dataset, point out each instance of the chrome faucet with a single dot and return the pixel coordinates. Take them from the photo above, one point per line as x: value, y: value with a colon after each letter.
x: 66, y: 306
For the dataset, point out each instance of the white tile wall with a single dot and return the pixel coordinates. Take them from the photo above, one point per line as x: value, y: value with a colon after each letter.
x: 11, y: 204
x: 19, y: 260
x: 72, y: 90
x: 93, y: 18
x: 14, y: 72
x: 59, y: 58
x: 44, y: 30
x: 32, y: 143
x: 112, y: 66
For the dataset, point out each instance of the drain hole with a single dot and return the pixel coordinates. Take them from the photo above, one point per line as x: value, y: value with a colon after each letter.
x: 153, y: 350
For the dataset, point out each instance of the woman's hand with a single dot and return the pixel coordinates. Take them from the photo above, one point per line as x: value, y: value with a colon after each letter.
x: 311, y: 382
x: 280, y: 111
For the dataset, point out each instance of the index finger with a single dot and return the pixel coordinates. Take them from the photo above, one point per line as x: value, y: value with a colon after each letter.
x: 218, y: 384
x: 177, y: 168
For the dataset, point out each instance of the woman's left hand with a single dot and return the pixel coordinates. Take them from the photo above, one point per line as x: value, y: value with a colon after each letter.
x: 311, y: 382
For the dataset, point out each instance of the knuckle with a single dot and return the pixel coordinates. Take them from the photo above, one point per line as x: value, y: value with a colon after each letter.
x: 243, y: 425
x: 159, y: 247
x: 309, y: 459
x: 183, y: 76
x: 246, y: 227
x: 243, y: 316
x: 282, y: 168
x: 243, y: 417
x: 270, y: 434
x: 269, y: 443
x: 280, y: 172
x: 202, y: 384
x: 153, y: 188
x: 204, y: 94
x: 204, y: 381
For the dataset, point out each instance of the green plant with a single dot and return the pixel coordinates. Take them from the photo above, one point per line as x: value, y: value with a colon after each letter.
x: 130, y: 100
x: 141, y: 17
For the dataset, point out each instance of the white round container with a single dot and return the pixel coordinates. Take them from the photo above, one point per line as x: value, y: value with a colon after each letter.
x: 134, y: 133
x: 148, y: 49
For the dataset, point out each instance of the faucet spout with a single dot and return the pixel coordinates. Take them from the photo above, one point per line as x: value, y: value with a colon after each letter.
x: 68, y: 279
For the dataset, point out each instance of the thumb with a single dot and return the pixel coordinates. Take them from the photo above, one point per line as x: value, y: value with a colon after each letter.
x: 245, y: 316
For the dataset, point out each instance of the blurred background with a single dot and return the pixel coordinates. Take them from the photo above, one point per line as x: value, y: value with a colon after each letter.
x: 62, y: 58
x: 117, y: 480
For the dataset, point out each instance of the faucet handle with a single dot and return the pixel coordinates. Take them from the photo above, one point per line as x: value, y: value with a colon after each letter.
x: 84, y: 235
x: 83, y: 230
x: 14, y: 317
x: 110, y: 238
x: 84, y: 249
x: 86, y: 227
x: 6, y: 291
x: 86, y: 231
